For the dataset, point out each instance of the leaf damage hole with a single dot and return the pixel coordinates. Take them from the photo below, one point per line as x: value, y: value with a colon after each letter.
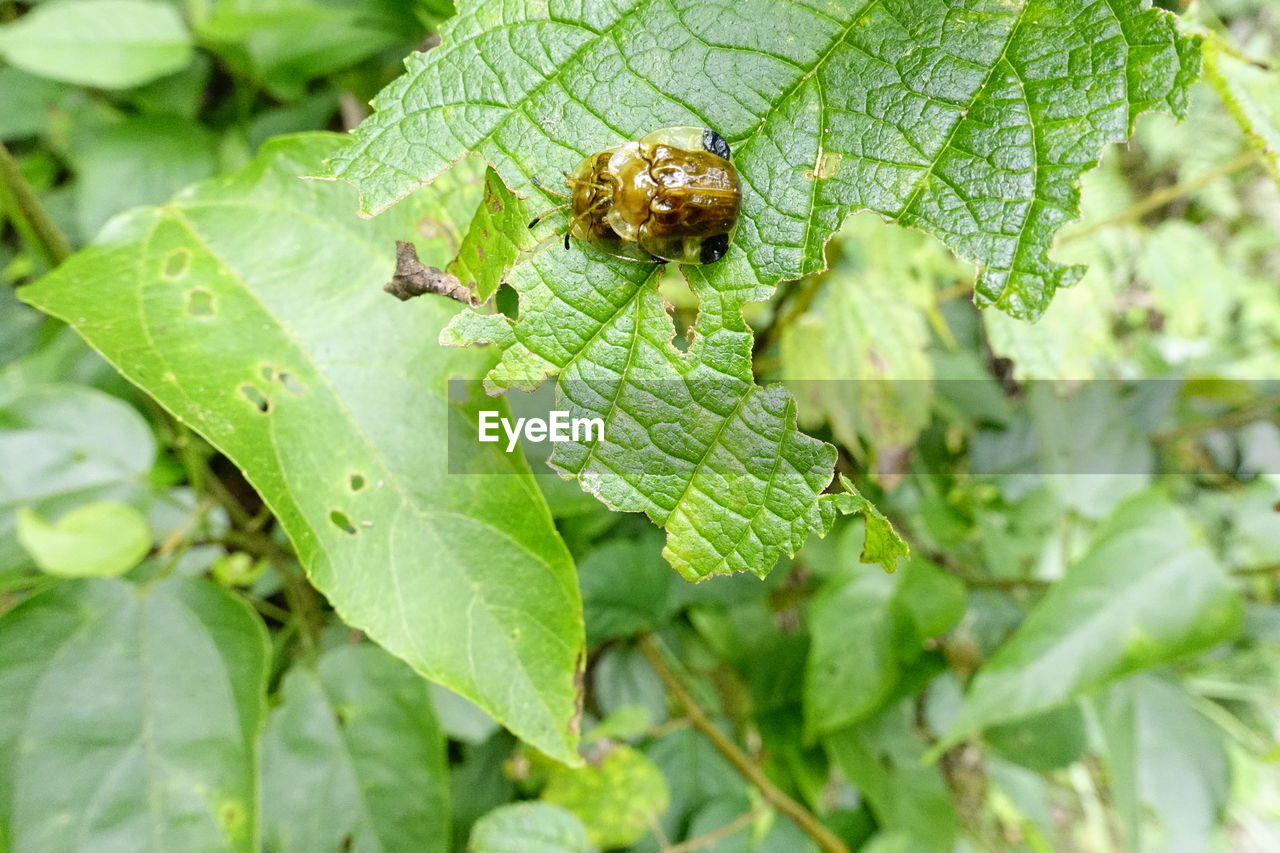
x: 356, y: 481
x: 260, y: 401
x: 200, y: 303
x: 290, y: 382
x: 176, y: 263
x: 342, y: 522
x: 682, y: 306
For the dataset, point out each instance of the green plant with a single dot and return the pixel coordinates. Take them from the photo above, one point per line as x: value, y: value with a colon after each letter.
x: 260, y: 561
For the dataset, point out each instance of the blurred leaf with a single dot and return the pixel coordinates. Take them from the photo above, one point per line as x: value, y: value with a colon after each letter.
x: 856, y: 359
x: 615, y: 797
x: 1073, y: 340
x: 626, y: 588
x: 129, y: 718
x: 1235, y: 81
x: 285, y: 43
x: 883, y: 759
x: 1166, y: 755
x: 865, y: 624
x: 135, y: 162
x: 1044, y: 742
x: 101, y: 539
x: 110, y: 44
x: 62, y: 446
x: 1192, y: 287
x: 361, y: 721
x: 853, y: 664
x: 28, y: 100
x: 224, y: 304
x: 529, y: 828
x: 1146, y: 592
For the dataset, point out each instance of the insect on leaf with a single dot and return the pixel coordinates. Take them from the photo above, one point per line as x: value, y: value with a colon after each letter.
x: 969, y: 120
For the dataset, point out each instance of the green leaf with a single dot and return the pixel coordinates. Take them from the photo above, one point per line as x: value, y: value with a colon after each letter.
x: 137, y: 161
x: 62, y: 446
x: 971, y: 122
x: 362, y: 721
x: 616, y: 797
x: 1239, y: 84
x: 110, y: 44
x: 1045, y: 742
x: 883, y: 759
x: 129, y: 718
x: 102, y: 539
x: 285, y: 43
x: 852, y: 665
x: 1146, y: 592
x: 865, y: 625
x: 529, y: 828
x: 1169, y: 756
x: 688, y: 440
x: 489, y: 250
x: 280, y: 347
x: 882, y: 544
x: 625, y: 589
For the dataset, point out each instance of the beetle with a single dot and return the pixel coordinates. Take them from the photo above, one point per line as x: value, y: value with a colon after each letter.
x: 671, y: 195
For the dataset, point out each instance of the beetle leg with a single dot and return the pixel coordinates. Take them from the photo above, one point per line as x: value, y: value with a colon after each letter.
x: 540, y: 185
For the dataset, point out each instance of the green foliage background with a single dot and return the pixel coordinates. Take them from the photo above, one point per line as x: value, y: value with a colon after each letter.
x: 245, y: 606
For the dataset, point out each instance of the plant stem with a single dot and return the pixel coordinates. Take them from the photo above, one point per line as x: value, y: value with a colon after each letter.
x: 1266, y: 408
x: 748, y: 769
x: 1165, y: 195
x: 715, y: 836
x: 29, y: 216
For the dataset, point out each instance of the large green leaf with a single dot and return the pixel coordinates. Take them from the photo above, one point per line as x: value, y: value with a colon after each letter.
x: 111, y: 44
x: 251, y: 307
x: 972, y: 120
x: 362, y: 721
x: 129, y: 718
x: 1146, y: 592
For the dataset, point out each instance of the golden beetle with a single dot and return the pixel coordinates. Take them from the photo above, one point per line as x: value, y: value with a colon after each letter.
x: 671, y: 195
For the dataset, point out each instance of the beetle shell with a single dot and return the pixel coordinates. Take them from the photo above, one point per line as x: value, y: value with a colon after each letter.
x: 671, y: 195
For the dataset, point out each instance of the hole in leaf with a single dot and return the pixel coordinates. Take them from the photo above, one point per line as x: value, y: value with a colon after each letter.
x: 357, y: 482
x: 175, y: 264
x: 268, y: 372
x: 682, y: 305
x: 260, y: 401
x: 342, y: 522
x: 290, y: 383
x: 200, y: 303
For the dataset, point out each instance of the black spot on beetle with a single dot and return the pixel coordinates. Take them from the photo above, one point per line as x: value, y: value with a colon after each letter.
x: 715, y: 143
x: 713, y: 248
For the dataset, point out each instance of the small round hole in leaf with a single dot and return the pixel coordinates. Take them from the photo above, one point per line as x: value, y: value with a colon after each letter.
x: 176, y: 263
x: 356, y: 482
x: 200, y: 303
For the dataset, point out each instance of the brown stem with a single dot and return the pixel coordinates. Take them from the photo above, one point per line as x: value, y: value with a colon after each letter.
x: 715, y: 836
x: 28, y: 214
x: 748, y: 769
